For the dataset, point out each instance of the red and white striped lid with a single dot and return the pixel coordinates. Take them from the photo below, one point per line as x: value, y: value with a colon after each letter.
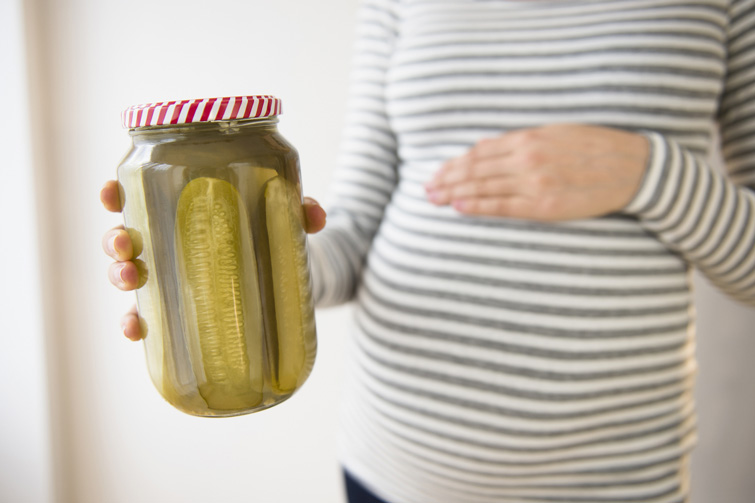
x: 201, y: 110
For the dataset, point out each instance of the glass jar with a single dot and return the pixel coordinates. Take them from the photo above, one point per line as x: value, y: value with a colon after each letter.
x: 211, y: 197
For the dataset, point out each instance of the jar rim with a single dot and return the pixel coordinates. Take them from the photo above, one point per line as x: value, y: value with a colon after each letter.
x: 223, y: 127
x: 169, y: 113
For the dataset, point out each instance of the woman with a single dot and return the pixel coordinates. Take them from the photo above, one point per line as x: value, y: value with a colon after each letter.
x: 521, y: 197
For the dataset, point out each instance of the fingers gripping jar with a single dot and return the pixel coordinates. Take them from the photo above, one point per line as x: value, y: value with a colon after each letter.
x: 211, y: 199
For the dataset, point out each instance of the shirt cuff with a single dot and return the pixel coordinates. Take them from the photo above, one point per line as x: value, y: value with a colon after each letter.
x: 653, y: 192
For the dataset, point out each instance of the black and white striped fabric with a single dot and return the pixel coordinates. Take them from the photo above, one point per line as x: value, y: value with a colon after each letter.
x: 495, y: 360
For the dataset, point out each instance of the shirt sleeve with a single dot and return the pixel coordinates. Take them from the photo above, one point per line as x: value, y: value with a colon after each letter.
x: 705, y: 215
x: 365, y: 175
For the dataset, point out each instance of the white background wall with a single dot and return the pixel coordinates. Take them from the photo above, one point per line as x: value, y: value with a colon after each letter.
x: 80, y: 421
x: 25, y: 457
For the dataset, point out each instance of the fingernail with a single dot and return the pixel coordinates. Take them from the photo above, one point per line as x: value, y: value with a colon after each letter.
x: 111, y: 245
x: 123, y: 328
x: 120, y: 273
x: 459, y: 204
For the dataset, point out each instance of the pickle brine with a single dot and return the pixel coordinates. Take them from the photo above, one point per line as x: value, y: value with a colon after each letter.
x: 220, y: 295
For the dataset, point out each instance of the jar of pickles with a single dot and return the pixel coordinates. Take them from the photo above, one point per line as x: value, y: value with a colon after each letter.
x: 211, y: 197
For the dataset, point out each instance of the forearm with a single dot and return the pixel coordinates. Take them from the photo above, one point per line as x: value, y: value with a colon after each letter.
x: 699, y: 213
x: 366, y: 175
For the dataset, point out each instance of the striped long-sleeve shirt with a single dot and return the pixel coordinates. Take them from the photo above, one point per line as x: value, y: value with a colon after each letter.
x: 513, y: 361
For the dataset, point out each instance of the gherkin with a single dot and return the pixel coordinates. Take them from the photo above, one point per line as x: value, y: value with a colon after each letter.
x: 221, y: 301
x: 291, y: 289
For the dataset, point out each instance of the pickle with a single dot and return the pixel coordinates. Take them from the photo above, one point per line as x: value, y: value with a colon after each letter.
x: 151, y: 319
x: 291, y: 288
x: 173, y: 381
x: 256, y: 185
x: 223, y: 312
